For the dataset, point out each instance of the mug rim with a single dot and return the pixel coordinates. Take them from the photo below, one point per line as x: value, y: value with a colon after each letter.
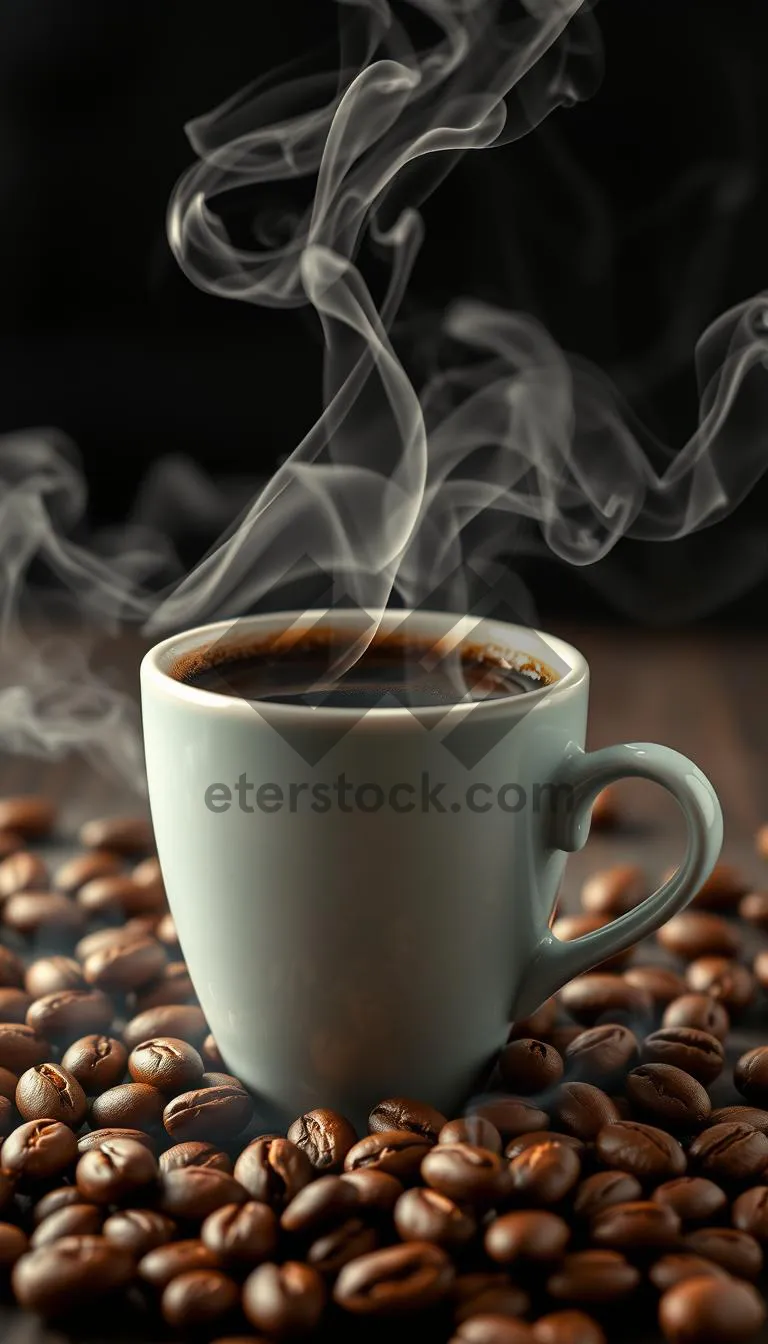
x: 154, y: 673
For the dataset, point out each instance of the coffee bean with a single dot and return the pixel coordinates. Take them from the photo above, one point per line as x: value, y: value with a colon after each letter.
x: 711, y: 1311
x: 642, y: 1150
x: 21, y: 1048
x: 73, y: 1272
x: 207, y: 1113
x: 65, y: 1016
x: 545, y: 1173
x: 84, y: 867
x: 284, y: 1300
x: 167, y: 1064
x: 96, y: 1138
x: 13, y: 1244
x: 403, y: 1114
x: 537, y: 1026
x: 592, y: 1277
x: 42, y: 913
x: 751, y: 1075
x: 695, y: 933
x: 165, y: 1263
x: 700, y: 1011
x: 583, y: 1110
x: 11, y: 969
x: 568, y: 1327
x: 511, y: 1116
x: 337, y: 1247
x: 725, y: 980
x: 30, y: 815
x: 39, y: 1150
x: 327, y: 1200
x: 22, y: 872
x: 723, y: 888
x: 192, y: 1193
x: 173, y: 986
x: 399, y: 1278
x: 474, y: 1129
x: 468, y: 1174
x: 603, y: 1190
x: 221, y: 1080
x: 672, y: 1269
x: 97, y: 1062
x: 730, y: 1152
x: 123, y: 835
x: 195, y: 1154
x: 737, y: 1252
x: 747, y: 1115
x: 8, y: 1083
x: 325, y: 1136
x: 14, y: 1005
x: 377, y: 1192
x: 139, y: 1230
x: 538, y: 1136
x: 166, y: 930
x: 199, y: 1299
x: 119, y: 1170
x: 693, y: 1198
x: 668, y: 1096
x: 614, y: 891
x: 241, y: 1233
x: 274, y: 1171
x: 485, y: 1294
x: 125, y: 966
x: 750, y: 1212
x: 568, y: 927
x: 61, y: 1197
x: 602, y: 1054
x: 118, y: 895
x: 754, y: 909
x: 128, y: 1106
x: 48, y: 1090
x: 427, y: 1215
x: 527, y: 1066
x: 492, y: 1329
x: 760, y: 969
x: 396, y: 1151
x: 50, y: 975
x: 535, y: 1235
x: 695, y: 1052
x: 640, y: 1225
x: 181, y: 1021
x: 601, y: 997
x: 78, y: 1220
x: 663, y: 985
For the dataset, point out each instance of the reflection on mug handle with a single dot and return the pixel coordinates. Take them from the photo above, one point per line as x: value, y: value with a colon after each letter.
x: 585, y: 774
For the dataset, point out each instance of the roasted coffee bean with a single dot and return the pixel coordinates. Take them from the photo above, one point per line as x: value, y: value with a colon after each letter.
x: 592, y: 1277
x: 50, y: 975
x: 211, y: 1055
x: 544, y: 1173
x: 166, y: 930
x: 377, y: 1192
x: 511, y: 1116
x: 7, y: 1117
x: 8, y: 1083
x: 125, y: 966
x: 403, y: 1114
x: 78, y: 1220
x: 474, y: 1129
x: 700, y: 1011
x: 61, y: 1197
x: 486, y: 1293
x: 723, y: 888
x: 273, y: 1171
x: 123, y: 835
x: 181, y: 1021
x: 139, y: 1230
x: 536, y: 1027
x: 672, y: 1269
x: 159, y: 1266
x: 754, y: 909
x: 583, y: 1110
x: 693, y: 1198
x: 21, y: 1048
x: 50, y: 1091
x: 221, y: 1080
x: 737, y: 1252
x: 568, y: 1327
x: 71, y: 1273
x: 199, y: 1299
x: 492, y: 1329
x: 74, y: 874
x: 14, y: 1005
x: 534, y: 1235
x: 96, y: 1138
x: 746, y: 1115
x: 148, y: 871
x: 468, y: 1174
x: 11, y: 969
x: 750, y: 1212
x: 13, y: 1244
x: 328, y: 1199
x: 337, y: 1247
x: 94, y: 942
x: 667, y: 1096
x: 195, y: 1154
x: 128, y: 1106
x: 730, y: 1152
x: 600, y: 997
x: 192, y: 1193
x: 644, y: 1151
x: 400, y: 1278
x: 602, y: 1054
x: 22, y: 872
x: 97, y: 1062
x: 640, y: 1225
x: 537, y: 1136
x: 206, y: 1113
x: 614, y: 891
x: 527, y: 1066
x: 241, y: 1233
x: 398, y: 1152
x: 725, y: 980
x: 695, y: 1052
x: 751, y: 1075
x: 662, y: 984
x: 695, y: 933
x: 711, y: 1311
x: 118, y: 1171
x: 167, y: 1064
x: 39, y: 1150
x: 568, y: 927
x: 42, y: 912
x: 760, y: 969
x: 284, y: 1300
x: 30, y: 815
x: 65, y: 1016
x: 118, y: 895
x: 606, y: 810
x: 603, y: 1190
x: 426, y: 1215
x: 173, y: 986
x: 325, y: 1136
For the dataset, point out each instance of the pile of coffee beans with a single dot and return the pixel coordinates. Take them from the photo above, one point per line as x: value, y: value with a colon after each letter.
x: 594, y: 1190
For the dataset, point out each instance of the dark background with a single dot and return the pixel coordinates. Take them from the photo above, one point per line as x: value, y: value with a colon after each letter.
x: 627, y: 225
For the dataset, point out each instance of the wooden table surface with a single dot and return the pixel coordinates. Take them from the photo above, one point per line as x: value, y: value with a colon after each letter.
x: 705, y: 694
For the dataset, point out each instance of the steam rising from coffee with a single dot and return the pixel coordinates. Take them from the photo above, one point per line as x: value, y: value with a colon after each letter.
x: 512, y: 447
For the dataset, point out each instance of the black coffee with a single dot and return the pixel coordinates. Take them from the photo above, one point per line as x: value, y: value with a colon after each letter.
x: 314, y: 670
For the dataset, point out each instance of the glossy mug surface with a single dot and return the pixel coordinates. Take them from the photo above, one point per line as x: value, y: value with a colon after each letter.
x: 380, y: 945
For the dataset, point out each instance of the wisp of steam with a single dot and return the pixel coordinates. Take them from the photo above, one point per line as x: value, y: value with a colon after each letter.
x: 396, y: 493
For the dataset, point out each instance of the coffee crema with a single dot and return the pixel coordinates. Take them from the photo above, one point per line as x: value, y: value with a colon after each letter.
x: 315, y: 668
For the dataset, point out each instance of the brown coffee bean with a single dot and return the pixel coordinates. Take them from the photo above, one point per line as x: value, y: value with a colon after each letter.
x: 14, y: 1005
x: 468, y: 1174
x: 73, y: 1272
x: 61, y: 1197
x: 643, y: 1150
x: 750, y: 1212
x: 77, y: 1220
x: 337, y: 1247
x: 483, y: 1294
x: 527, y: 1066
x: 128, y: 1106
x: 42, y: 912
x: 284, y: 1300
x: 192, y: 1193
x: 97, y: 1062
x: 672, y: 1269
x: 195, y: 1154
x: 754, y: 909
x: 123, y: 835
x: 139, y: 1230
x: 117, y: 1171
x: 166, y: 929
x: 603, y: 1190
x: 602, y: 1054
x: 13, y: 1244
x: 50, y: 1091
x: 491, y: 1328
x: 165, y: 1263
x: 695, y: 933
x: 22, y: 871
x: 402, y: 1113
x: 273, y: 1171
x: 606, y: 810
x: 592, y: 1277
x: 600, y: 997
x: 329, y: 1199
x: 723, y: 888
x: 84, y: 867
x: 396, y: 1279
x: 168, y: 1064
x: 544, y: 1173
x: 538, y: 1136
x: 695, y: 1052
x: 663, y: 985
x: 667, y: 1096
x: 207, y: 1113
x: 537, y: 1026
x: 125, y: 966
x: 50, y: 975
x: 568, y: 927
x: 65, y: 1016
x: 377, y: 1192
x: 8, y: 1083
x: 511, y: 1116
x: 21, y: 1048
x: 725, y: 980
x: 472, y: 1129
x: 325, y: 1136
x: 181, y: 1021
x: 201, y: 1298
x: 7, y: 1117
x: 39, y: 1150
x: 11, y: 969
x: 568, y: 1327
x: 614, y: 891
x: 396, y: 1151
x: 118, y: 895
x: 640, y: 1225
x: 535, y: 1235
x: 693, y: 1198
x: 96, y: 1138
x: 173, y: 986
x: 751, y: 1075
x: 30, y: 815
x: 737, y: 1252
x: 426, y: 1215
x: 583, y: 1110
x: 747, y: 1115
x: 699, y: 1011
x: 760, y: 969
x: 730, y: 1152
x: 241, y: 1233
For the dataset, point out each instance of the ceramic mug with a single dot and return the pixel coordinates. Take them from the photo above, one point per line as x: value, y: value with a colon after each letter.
x: 371, y: 940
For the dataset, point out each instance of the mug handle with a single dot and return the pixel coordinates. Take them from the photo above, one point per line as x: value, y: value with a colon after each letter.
x: 576, y: 786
